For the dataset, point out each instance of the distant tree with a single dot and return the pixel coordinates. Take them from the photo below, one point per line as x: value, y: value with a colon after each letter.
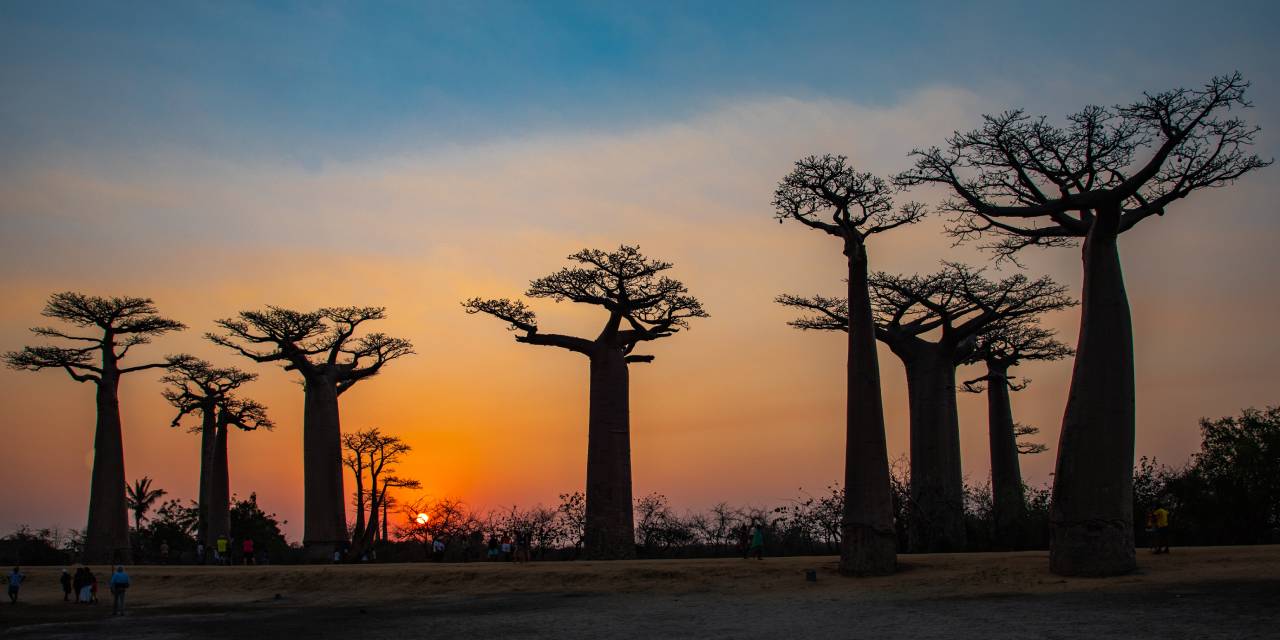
x: 827, y: 194
x: 1023, y: 182
x: 116, y: 325
x: 1231, y: 491
x: 954, y: 306
x: 373, y: 452
x: 1001, y: 347
x: 447, y: 519
x: 573, y: 511
x: 141, y: 497
x: 196, y: 386
x: 321, y: 346
x: 250, y: 522
x: 642, y: 306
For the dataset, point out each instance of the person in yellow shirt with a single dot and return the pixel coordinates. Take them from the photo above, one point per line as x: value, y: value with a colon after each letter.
x: 1161, y: 518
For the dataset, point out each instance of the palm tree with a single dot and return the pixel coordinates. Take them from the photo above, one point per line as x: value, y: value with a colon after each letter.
x: 141, y: 497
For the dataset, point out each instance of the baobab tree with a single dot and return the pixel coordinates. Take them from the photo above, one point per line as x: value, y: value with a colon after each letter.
x: 373, y: 452
x: 117, y: 325
x: 642, y: 306
x: 1020, y: 182
x: 321, y: 346
x: 827, y: 194
x: 196, y: 386
x: 1001, y: 347
x: 953, y: 307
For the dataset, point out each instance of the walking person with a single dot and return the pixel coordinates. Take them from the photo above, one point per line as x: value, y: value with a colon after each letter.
x: 164, y: 553
x: 15, y: 582
x: 119, y: 585
x: 81, y: 585
x: 65, y: 581
x: 220, y: 555
x: 247, y: 548
x: 93, y: 585
x: 493, y: 547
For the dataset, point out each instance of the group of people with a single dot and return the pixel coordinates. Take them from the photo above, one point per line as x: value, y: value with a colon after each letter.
x: 519, y: 550
x: 222, y: 553
x: 1158, y: 527
x: 81, y: 588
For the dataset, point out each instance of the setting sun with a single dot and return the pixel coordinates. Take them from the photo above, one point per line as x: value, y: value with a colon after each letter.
x: 423, y: 518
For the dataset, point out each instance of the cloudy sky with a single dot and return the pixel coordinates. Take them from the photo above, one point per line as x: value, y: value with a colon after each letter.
x: 220, y: 156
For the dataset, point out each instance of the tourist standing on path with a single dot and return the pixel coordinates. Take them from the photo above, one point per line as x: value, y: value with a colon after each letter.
x: 119, y: 584
x: 164, y: 552
x: 15, y: 581
x: 93, y: 585
x: 65, y: 581
x: 223, y: 547
x: 80, y: 583
x: 757, y: 542
x: 247, y: 548
x: 1161, y: 516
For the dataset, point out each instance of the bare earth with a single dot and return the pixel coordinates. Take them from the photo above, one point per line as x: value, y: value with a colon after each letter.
x: 1215, y: 592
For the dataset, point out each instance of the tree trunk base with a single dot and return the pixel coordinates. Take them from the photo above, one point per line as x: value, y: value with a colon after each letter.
x: 867, y: 552
x: 1094, y: 549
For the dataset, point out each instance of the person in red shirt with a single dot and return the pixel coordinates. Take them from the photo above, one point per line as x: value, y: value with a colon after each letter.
x: 248, y: 550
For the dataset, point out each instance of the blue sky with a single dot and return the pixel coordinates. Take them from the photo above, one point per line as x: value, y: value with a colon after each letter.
x: 310, y: 81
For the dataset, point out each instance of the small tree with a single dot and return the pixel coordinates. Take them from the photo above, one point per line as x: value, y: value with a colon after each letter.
x: 116, y: 325
x: 141, y: 497
x: 1021, y: 182
x: 642, y: 306
x: 827, y: 194
x: 321, y: 346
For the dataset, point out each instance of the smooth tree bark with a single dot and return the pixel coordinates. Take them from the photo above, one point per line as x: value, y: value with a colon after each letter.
x: 198, y: 387
x: 827, y: 194
x: 1000, y: 348
x: 642, y: 306
x: 1025, y: 182
x: 931, y: 323
x: 115, y: 325
x: 321, y: 347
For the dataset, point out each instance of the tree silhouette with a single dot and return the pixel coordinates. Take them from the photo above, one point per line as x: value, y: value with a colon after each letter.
x: 373, y: 452
x: 954, y: 306
x: 1021, y: 181
x: 321, y: 346
x: 196, y: 386
x: 827, y: 194
x: 141, y: 497
x: 117, y: 324
x: 643, y: 306
x: 1001, y: 347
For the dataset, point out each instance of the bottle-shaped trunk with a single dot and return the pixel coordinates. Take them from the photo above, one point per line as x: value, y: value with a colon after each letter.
x: 937, y: 483
x: 868, y: 545
x: 106, y: 536
x: 1091, y: 521
x: 219, y: 488
x: 325, y: 514
x: 1007, y: 502
x: 609, y: 531
x: 208, y: 433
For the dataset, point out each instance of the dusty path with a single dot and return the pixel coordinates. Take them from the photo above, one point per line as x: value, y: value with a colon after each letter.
x: 1193, y: 593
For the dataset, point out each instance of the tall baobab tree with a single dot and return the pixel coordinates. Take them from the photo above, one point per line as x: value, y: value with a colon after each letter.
x: 116, y: 325
x: 141, y: 497
x: 196, y: 386
x: 827, y: 194
x: 642, y: 306
x: 1001, y: 347
x: 1021, y: 182
x: 953, y: 307
x: 321, y: 346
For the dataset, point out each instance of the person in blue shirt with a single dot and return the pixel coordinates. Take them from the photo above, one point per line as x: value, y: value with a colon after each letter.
x: 15, y: 581
x: 119, y: 584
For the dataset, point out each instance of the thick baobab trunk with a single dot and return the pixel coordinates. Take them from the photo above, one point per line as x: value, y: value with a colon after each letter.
x: 208, y: 433
x: 219, y: 488
x: 610, y: 534
x: 937, y: 483
x: 867, y: 542
x: 325, y: 514
x: 1007, y: 502
x: 106, y: 537
x: 1091, y: 521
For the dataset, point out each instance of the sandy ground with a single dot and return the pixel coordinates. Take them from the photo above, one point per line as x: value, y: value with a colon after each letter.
x: 1219, y: 592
